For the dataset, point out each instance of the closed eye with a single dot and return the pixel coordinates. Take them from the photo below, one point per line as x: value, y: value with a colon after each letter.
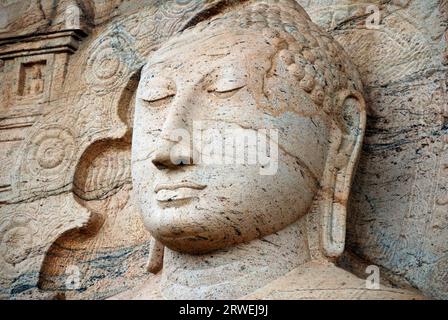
x: 225, y: 94
x: 159, y: 102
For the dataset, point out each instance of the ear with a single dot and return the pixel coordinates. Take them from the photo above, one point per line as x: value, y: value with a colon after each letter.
x: 346, y: 143
x: 155, y: 259
x: 126, y: 104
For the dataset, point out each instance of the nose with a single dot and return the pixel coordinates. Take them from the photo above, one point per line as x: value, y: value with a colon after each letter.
x: 174, y: 148
x: 172, y: 155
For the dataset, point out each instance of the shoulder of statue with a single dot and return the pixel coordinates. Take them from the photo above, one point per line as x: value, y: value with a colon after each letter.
x: 322, y: 280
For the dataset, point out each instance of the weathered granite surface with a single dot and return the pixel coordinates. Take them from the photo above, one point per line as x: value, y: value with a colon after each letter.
x: 69, y: 72
x: 399, y: 215
x: 65, y: 134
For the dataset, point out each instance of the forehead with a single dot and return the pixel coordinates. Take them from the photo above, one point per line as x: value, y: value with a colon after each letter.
x: 210, y: 50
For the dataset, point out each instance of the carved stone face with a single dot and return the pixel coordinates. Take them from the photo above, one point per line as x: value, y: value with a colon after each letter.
x: 224, y: 81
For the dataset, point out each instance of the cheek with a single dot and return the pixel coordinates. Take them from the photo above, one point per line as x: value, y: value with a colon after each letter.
x: 142, y: 181
x: 147, y: 126
x: 305, y: 141
x: 259, y: 203
x: 286, y: 196
x: 146, y: 129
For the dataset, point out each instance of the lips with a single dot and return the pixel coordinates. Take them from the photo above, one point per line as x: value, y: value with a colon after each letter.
x: 175, y: 186
x: 170, y: 193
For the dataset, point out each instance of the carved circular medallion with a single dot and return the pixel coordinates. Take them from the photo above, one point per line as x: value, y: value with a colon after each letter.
x: 17, y: 240
x: 107, y: 66
x: 51, y: 151
x: 141, y: 25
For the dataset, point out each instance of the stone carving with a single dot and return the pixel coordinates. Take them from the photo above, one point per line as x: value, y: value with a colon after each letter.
x: 400, y: 179
x: 51, y: 152
x: 69, y: 222
x: 87, y: 116
x: 31, y: 79
x: 17, y: 240
x: 224, y: 226
x: 108, y: 253
x: 72, y: 17
x: 108, y: 63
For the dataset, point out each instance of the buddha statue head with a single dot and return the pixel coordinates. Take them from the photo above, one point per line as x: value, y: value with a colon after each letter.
x: 260, y: 66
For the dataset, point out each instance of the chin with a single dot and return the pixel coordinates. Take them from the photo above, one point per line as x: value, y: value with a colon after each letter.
x: 193, y: 245
x: 202, y: 238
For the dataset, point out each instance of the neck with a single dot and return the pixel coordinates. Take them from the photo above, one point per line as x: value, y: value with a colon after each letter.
x: 235, y: 272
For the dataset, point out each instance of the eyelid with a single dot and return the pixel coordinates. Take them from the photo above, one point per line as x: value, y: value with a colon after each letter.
x: 227, y: 84
x: 226, y: 90
x: 156, y: 99
x: 156, y: 89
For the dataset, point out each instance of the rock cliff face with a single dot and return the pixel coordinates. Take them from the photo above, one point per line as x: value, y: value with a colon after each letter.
x: 399, y: 215
x: 69, y: 225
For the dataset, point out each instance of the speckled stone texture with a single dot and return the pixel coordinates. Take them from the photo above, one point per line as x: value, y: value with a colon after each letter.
x: 398, y: 217
x: 261, y: 65
x: 324, y: 281
x: 80, y: 110
x: 68, y: 225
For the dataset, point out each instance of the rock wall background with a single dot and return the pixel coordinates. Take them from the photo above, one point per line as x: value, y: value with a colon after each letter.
x: 399, y: 209
x: 66, y: 213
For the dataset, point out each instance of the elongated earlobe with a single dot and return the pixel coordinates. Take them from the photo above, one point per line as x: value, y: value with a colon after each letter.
x: 346, y: 144
x: 155, y: 259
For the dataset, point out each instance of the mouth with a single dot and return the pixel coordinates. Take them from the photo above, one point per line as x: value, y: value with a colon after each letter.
x: 178, y: 193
